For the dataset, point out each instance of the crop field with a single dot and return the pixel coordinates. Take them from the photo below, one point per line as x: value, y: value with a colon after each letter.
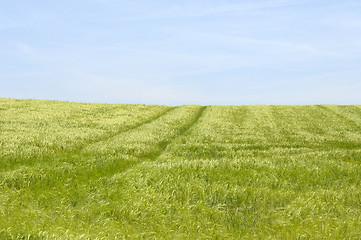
x: 98, y: 171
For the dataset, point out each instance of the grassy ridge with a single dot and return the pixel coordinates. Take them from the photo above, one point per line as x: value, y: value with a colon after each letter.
x: 78, y: 171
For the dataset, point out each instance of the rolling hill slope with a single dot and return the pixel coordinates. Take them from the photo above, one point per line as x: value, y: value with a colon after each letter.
x: 88, y: 171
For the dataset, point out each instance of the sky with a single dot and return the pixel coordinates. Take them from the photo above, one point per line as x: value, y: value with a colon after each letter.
x: 206, y: 52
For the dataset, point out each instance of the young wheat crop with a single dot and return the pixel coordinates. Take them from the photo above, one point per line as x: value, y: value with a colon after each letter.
x: 97, y: 171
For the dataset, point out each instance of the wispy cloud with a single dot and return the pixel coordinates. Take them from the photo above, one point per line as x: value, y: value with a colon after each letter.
x: 235, y: 40
x: 190, y: 9
x: 243, y: 7
x: 222, y: 52
x: 345, y: 22
x: 25, y: 48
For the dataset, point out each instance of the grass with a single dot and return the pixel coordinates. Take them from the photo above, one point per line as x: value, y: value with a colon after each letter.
x: 92, y: 171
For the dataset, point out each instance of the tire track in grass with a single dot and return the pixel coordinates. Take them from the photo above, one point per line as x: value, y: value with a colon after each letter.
x: 120, y: 165
x: 125, y: 166
x: 105, y: 138
x: 28, y: 174
x: 69, y: 167
x: 65, y: 155
x: 120, y: 130
x: 182, y: 131
x: 204, y: 138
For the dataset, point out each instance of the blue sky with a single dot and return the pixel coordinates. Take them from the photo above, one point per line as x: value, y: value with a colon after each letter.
x: 204, y: 52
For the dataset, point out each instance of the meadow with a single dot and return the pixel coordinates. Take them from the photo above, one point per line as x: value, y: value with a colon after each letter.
x: 98, y: 171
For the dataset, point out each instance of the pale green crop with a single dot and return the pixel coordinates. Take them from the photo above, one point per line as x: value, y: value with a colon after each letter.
x: 93, y: 171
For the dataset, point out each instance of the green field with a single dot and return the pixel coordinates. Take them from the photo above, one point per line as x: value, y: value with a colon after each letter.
x: 97, y: 171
